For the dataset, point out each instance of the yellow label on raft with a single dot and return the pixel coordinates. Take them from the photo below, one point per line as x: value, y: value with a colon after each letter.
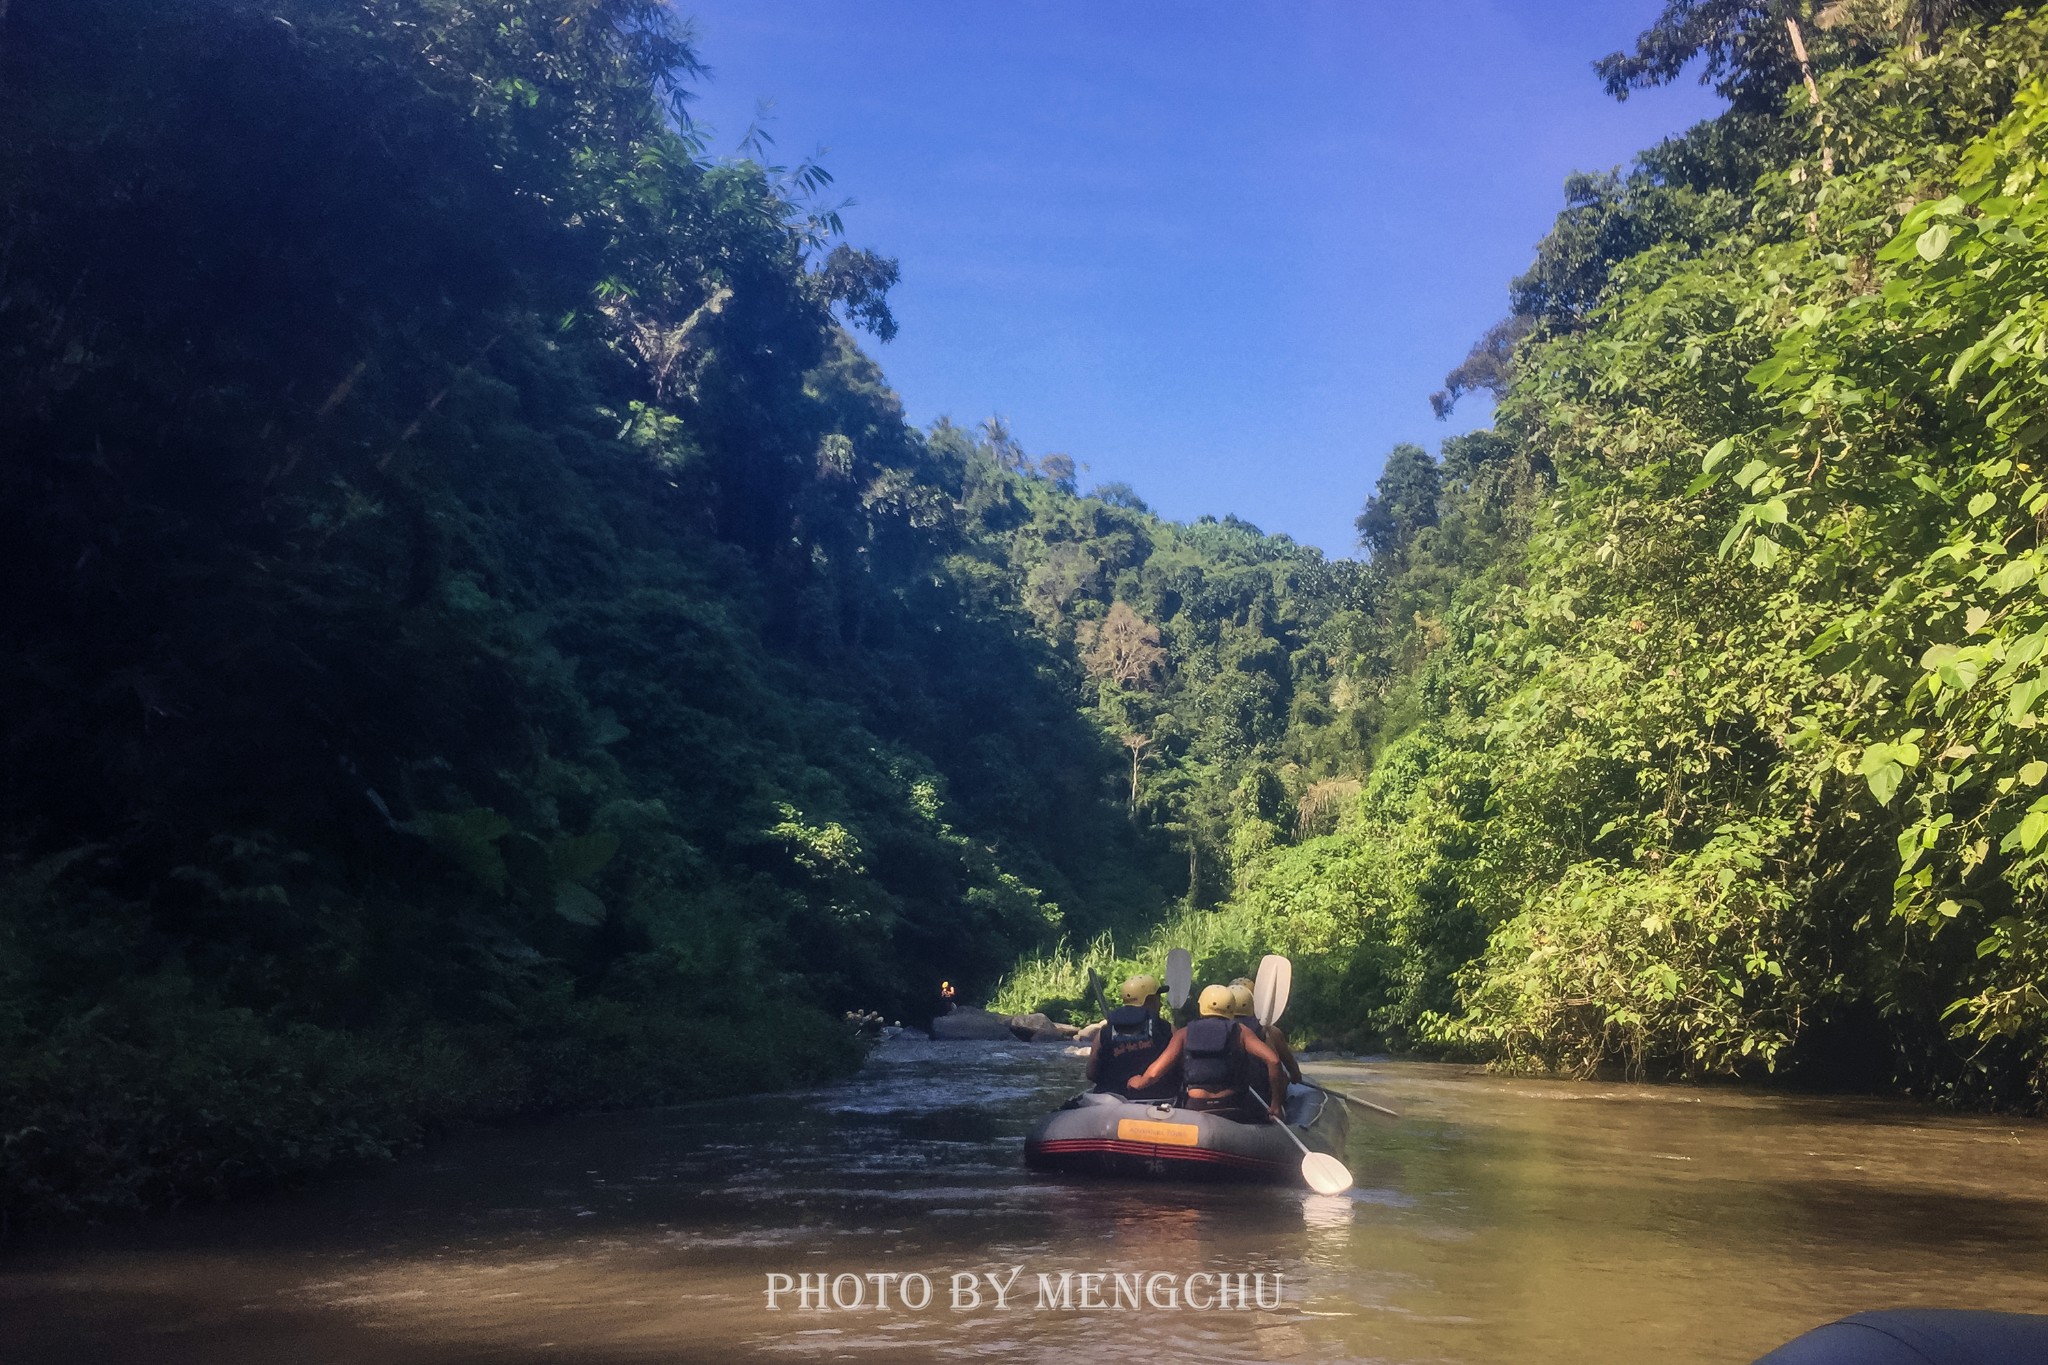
x: 1145, y: 1130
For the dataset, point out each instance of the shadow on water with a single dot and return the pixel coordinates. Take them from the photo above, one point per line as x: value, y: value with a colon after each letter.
x: 1498, y: 1220
x: 950, y: 1125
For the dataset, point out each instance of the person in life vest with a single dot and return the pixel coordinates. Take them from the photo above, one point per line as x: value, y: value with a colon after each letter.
x: 949, y: 999
x: 1129, y: 1039
x: 1213, y: 1053
x: 1269, y: 1034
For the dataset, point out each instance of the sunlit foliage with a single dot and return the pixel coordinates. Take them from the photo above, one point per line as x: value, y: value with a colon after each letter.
x: 1709, y: 738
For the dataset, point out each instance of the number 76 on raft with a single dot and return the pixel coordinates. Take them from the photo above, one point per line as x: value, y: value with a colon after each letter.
x: 1067, y: 1291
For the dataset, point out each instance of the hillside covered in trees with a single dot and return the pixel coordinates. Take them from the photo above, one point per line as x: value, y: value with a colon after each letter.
x: 1704, y: 687
x: 483, y: 637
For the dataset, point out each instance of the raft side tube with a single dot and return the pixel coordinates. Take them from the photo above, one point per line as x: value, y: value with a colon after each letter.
x: 1108, y: 1135
x: 1921, y: 1336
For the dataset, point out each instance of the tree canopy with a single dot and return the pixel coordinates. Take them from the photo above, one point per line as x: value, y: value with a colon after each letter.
x: 495, y: 644
x: 1700, y: 695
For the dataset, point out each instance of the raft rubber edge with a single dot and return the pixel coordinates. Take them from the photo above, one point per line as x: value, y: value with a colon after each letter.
x: 1091, y: 1136
x: 1114, y: 1156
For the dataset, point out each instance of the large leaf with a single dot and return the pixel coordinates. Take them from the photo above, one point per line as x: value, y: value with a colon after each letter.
x: 578, y: 904
x: 526, y: 859
x: 469, y: 838
x: 578, y: 857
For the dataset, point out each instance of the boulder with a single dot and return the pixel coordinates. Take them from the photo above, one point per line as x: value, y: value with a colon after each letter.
x: 968, y: 1024
x: 1039, y: 1030
x: 1034, y: 1028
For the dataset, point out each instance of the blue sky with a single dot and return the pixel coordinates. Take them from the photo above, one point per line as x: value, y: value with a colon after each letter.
x: 1221, y: 250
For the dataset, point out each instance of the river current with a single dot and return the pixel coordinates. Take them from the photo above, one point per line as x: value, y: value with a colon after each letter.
x: 1497, y: 1222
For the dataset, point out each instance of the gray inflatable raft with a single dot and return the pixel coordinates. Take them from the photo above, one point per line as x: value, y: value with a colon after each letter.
x: 1112, y: 1136
x: 1921, y: 1336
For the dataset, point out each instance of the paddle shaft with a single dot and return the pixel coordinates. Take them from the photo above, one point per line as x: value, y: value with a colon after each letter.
x: 1101, y: 997
x: 1353, y: 1099
x: 1285, y: 1126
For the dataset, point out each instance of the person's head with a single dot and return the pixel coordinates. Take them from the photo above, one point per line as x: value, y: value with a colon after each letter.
x: 1243, y: 981
x: 1142, y: 990
x: 1216, y: 1002
x: 1241, y: 1000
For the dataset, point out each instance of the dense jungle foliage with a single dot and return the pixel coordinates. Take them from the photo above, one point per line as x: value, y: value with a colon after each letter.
x: 483, y: 638
x: 1704, y: 689
x: 481, y: 635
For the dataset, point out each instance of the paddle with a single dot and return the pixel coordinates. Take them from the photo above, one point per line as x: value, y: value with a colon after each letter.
x: 1180, y: 976
x: 1323, y: 1172
x: 1269, y: 1001
x: 1095, y: 990
x: 1275, y: 984
x: 1353, y: 1099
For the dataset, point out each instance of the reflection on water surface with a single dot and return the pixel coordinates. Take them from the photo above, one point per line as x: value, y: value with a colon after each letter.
x: 1499, y: 1221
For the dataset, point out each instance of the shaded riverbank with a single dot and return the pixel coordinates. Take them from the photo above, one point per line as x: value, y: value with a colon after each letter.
x: 1500, y: 1220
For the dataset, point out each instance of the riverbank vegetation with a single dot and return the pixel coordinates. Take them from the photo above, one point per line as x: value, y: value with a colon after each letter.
x: 488, y: 640
x: 1704, y: 686
x: 484, y: 638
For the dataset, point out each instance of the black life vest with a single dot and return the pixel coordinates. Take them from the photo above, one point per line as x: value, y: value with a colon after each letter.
x: 1131, y: 1038
x: 1212, y: 1056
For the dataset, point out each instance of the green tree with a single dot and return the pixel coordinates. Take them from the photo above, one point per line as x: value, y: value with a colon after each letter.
x: 1743, y: 46
x: 1403, y: 503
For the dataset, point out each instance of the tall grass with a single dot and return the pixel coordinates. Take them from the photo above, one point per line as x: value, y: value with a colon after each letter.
x: 1056, y: 981
x: 1224, y: 943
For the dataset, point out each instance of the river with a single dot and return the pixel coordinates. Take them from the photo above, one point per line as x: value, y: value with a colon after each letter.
x: 1497, y: 1221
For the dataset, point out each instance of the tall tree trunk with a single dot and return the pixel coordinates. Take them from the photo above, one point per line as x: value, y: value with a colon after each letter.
x: 1805, y: 68
x: 1827, y: 151
x: 1137, y: 744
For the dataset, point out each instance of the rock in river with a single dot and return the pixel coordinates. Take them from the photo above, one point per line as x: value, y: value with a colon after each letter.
x: 968, y: 1023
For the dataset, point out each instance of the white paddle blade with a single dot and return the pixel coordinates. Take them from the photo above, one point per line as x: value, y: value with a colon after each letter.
x: 1180, y: 976
x: 1275, y: 984
x: 1325, y: 1174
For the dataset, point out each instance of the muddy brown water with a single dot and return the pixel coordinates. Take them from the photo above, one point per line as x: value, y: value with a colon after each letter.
x: 1498, y: 1220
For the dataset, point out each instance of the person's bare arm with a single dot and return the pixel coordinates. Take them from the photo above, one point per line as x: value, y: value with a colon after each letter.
x: 1162, y: 1063
x: 1095, y: 1052
x: 1278, y: 1039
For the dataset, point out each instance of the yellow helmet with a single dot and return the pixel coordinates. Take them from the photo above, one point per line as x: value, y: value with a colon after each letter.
x: 1243, y: 981
x: 1240, y: 1000
x: 1139, y: 989
x: 1216, y: 1002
